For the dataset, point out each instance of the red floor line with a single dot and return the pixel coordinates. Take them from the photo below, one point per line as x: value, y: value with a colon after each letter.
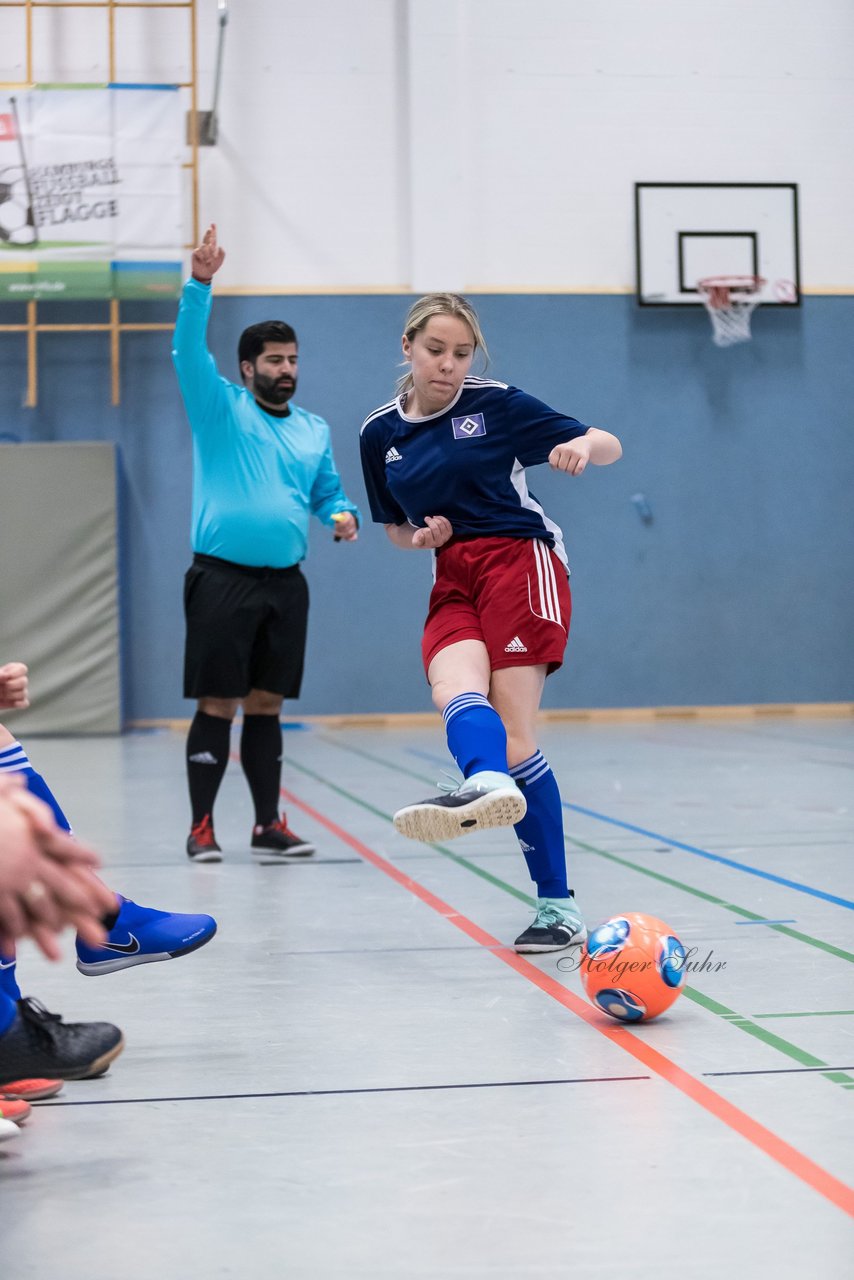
x: 801, y: 1166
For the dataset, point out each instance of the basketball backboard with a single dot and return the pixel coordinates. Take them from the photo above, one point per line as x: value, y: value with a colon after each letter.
x: 686, y: 231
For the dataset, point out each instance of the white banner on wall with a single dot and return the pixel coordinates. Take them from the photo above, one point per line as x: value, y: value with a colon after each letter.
x: 91, y: 193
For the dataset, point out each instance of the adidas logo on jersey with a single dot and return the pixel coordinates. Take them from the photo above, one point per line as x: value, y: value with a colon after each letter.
x: 515, y: 646
x: 393, y: 455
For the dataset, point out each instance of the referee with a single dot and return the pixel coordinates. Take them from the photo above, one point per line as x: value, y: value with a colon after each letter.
x: 261, y: 467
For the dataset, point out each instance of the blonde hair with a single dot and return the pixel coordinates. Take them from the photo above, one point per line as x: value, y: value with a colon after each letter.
x: 440, y: 304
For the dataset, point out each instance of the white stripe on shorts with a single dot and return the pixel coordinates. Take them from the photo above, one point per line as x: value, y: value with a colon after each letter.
x: 546, y: 584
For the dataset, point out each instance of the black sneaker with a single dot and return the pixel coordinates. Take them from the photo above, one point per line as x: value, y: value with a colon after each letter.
x: 557, y: 925
x: 201, y: 842
x: 39, y: 1043
x: 275, y: 842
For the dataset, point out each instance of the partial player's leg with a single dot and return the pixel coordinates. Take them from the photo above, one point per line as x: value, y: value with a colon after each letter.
x: 135, y: 934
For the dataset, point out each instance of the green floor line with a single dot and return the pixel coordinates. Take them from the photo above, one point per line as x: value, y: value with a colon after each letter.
x: 806, y: 938
x: 735, y: 1019
x: 810, y: 1013
x: 792, y: 1051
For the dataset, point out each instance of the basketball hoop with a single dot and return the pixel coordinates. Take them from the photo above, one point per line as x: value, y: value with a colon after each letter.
x: 730, y: 301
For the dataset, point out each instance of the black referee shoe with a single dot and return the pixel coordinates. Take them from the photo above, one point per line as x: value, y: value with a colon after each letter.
x: 39, y: 1043
x: 275, y: 842
x: 201, y: 842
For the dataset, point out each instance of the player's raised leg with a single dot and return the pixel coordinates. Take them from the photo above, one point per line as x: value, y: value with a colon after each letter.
x: 488, y: 797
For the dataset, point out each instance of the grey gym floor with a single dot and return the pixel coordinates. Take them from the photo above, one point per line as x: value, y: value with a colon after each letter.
x: 356, y: 1078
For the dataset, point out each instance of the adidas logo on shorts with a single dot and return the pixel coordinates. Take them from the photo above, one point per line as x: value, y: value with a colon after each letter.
x: 515, y: 646
x: 393, y: 455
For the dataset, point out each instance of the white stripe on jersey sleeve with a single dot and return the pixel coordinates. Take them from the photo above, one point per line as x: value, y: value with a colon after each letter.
x: 520, y: 484
x: 377, y: 413
x: 472, y: 381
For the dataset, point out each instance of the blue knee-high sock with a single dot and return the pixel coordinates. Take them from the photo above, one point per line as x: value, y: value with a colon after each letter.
x: 8, y: 1009
x: 13, y: 759
x: 541, y: 830
x: 477, y: 738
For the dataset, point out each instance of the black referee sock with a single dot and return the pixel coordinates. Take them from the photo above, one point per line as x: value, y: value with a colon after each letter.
x: 208, y: 745
x: 261, y: 757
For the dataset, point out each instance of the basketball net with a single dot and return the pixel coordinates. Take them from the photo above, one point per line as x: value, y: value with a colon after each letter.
x: 730, y: 302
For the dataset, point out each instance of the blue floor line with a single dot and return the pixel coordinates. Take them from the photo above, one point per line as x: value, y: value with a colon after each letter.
x: 688, y: 848
x: 713, y: 857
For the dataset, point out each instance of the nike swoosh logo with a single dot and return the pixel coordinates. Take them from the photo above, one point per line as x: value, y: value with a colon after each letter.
x: 8, y: 964
x: 126, y: 948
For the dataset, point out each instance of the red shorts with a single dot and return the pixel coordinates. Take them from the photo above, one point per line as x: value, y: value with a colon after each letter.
x: 510, y: 593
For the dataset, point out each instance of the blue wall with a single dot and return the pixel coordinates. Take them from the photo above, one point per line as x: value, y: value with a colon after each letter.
x: 739, y: 590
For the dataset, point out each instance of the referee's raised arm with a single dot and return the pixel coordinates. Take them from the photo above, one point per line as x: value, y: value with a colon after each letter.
x: 196, y: 368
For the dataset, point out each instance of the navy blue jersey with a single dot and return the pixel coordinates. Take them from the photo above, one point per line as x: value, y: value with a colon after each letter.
x: 466, y: 463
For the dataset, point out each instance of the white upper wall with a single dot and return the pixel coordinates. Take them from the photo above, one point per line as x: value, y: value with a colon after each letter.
x: 489, y: 144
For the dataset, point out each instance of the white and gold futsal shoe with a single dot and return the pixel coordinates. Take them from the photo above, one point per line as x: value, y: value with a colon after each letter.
x: 484, y: 800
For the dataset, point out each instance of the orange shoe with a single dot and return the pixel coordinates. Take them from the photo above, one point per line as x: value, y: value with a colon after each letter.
x: 31, y: 1090
x: 14, y: 1109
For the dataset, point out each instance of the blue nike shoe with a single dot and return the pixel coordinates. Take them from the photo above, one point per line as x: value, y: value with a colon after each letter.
x: 142, y: 935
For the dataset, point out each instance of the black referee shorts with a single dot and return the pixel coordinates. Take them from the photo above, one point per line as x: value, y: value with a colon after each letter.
x: 246, y: 629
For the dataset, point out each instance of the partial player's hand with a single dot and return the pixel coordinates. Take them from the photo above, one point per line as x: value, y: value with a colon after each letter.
x: 208, y: 258
x: 346, y: 526
x: 14, y: 686
x: 46, y: 879
x: 571, y: 456
x: 436, y: 533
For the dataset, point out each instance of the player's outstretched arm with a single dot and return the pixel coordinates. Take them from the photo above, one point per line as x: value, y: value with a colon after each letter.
x: 596, y: 447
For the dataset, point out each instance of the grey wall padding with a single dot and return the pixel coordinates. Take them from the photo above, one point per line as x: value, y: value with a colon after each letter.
x: 58, y: 584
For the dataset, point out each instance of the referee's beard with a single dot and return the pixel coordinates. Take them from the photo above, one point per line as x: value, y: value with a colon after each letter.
x: 273, y: 391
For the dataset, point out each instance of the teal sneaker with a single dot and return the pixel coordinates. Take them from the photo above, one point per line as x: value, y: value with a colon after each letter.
x: 557, y: 925
x: 486, y: 799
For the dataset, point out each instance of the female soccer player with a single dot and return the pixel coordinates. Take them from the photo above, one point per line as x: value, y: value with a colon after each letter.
x: 444, y: 466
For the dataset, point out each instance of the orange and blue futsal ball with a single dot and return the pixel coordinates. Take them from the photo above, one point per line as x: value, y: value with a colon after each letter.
x: 633, y: 967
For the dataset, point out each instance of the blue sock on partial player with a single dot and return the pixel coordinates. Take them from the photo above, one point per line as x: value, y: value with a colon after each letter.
x: 540, y: 832
x: 14, y: 759
x: 477, y: 738
x: 8, y: 976
x: 8, y: 1011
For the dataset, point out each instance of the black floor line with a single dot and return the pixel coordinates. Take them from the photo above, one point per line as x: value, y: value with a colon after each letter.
x: 332, y: 1093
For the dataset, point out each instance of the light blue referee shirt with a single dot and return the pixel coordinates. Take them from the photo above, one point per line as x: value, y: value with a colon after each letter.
x: 256, y: 478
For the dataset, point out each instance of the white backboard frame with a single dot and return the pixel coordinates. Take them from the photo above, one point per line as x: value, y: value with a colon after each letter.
x: 685, y: 231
